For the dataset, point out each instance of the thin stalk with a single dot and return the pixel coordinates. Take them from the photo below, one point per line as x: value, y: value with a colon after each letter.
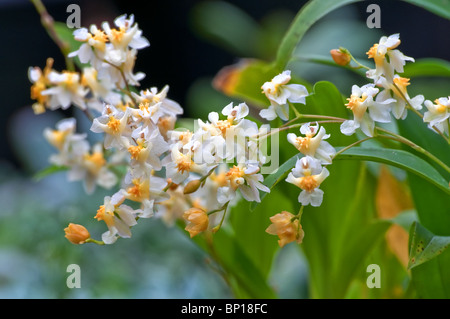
x: 216, y: 228
x: 296, y: 112
x: 414, y: 146
x: 91, y: 240
x: 48, y: 24
x: 122, y: 74
x: 352, y: 145
x: 312, y: 116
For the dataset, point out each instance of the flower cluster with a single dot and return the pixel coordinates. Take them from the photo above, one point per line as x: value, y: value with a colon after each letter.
x: 367, y: 103
x: 109, y: 55
x: 171, y: 173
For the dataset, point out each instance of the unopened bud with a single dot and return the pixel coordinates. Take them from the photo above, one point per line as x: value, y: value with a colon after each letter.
x: 197, y: 219
x: 340, y: 57
x: 192, y: 186
x: 77, y: 234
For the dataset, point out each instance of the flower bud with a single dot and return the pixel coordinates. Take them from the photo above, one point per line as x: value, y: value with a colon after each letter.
x: 340, y: 56
x: 77, y: 234
x: 192, y: 186
x: 198, y: 221
x: 287, y: 227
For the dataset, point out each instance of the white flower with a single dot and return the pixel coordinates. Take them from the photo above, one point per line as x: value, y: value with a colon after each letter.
x: 308, y: 174
x: 145, y: 152
x: 379, y: 51
x: 279, y: 93
x: 225, y: 139
x: 117, y: 217
x: 92, y: 170
x: 40, y: 81
x: 71, y: 146
x: 94, y: 48
x: 101, y: 89
x: 154, y: 104
x: 247, y: 179
x: 361, y: 100
x: 397, y: 88
x: 313, y: 144
x: 114, y: 123
x: 438, y: 113
x: 179, y: 165
x: 127, y: 35
x: 66, y: 90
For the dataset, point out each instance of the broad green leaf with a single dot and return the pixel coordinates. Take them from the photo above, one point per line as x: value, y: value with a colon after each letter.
x: 425, y: 245
x: 225, y: 249
x: 438, y: 7
x: 398, y: 158
x: 52, y: 169
x: 430, y: 279
x: 405, y: 219
x: 306, y: 17
x: 427, y: 67
x: 249, y: 228
x: 432, y: 203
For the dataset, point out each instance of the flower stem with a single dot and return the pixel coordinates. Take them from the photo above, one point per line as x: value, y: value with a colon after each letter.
x: 414, y: 146
x: 224, y: 208
x: 296, y: 112
x: 351, y: 145
x: 91, y: 240
x: 49, y: 25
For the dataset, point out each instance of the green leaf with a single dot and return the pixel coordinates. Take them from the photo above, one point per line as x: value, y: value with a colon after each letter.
x: 438, y: 7
x: 432, y: 278
x: 306, y: 17
x: 398, y: 158
x: 249, y: 228
x: 427, y: 67
x: 425, y: 245
x: 49, y: 171
x: 242, y: 274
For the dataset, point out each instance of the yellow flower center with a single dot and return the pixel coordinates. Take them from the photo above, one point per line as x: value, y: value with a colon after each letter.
x: 117, y: 35
x: 441, y: 108
x: 107, y: 217
x: 140, y: 190
x: 234, y: 175
x: 135, y: 150
x: 401, y: 84
x: 184, y: 163
x: 223, y: 126
x: 114, y: 124
x: 354, y: 103
x: 58, y: 138
x: 95, y: 162
x: 303, y: 144
x: 308, y: 183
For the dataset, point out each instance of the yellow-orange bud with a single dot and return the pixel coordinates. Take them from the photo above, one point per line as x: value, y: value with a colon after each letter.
x: 340, y: 57
x: 287, y: 227
x: 192, y: 186
x: 76, y: 234
x: 198, y: 221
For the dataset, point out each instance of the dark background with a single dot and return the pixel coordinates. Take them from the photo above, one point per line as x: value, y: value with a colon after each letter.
x: 177, y: 56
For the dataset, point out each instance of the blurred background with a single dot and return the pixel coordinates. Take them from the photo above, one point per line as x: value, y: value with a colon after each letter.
x: 190, y: 42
